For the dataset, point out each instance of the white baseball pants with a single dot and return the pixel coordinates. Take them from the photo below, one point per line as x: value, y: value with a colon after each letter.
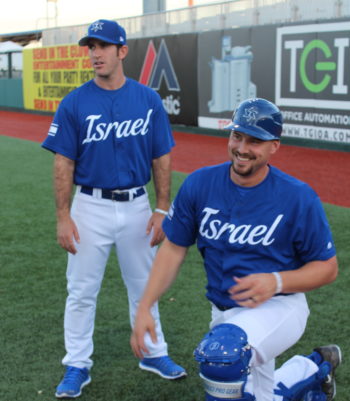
x: 101, y: 224
x: 272, y: 328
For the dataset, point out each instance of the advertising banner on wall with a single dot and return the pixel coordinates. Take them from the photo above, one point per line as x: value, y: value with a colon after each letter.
x: 304, y: 69
x: 49, y: 73
x: 233, y: 65
x: 168, y: 65
x: 313, y: 80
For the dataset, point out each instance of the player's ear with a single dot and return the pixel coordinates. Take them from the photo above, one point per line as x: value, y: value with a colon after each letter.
x: 123, y: 51
x: 275, y: 146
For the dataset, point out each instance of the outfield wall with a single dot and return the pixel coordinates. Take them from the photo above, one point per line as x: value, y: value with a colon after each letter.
x: 304, y: 68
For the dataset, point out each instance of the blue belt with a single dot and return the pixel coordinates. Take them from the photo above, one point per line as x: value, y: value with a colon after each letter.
x: 120, y: 196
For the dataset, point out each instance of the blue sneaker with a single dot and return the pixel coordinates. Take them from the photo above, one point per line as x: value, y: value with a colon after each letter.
x: 163, y: 366
x: 73, y: 382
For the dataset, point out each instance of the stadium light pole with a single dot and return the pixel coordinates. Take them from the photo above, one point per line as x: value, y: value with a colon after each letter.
x: 47, y: 12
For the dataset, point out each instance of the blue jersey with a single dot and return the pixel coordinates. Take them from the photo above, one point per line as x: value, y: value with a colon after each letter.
x: 112, y: 135
x: 277, y: 225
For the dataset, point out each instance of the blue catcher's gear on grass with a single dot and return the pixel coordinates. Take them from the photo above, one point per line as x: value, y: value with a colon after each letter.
x: 73, y: 382
x: 309, y: 389
x: 258, y: 118
x: 223, y: 356
x: 315, y: 396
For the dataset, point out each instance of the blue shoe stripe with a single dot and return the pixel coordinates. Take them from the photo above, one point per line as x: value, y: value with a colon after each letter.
x: 164, y: 367
x: 73, y: 382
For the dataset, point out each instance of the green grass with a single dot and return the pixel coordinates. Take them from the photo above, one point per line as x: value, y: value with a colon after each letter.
x: 33, y: 292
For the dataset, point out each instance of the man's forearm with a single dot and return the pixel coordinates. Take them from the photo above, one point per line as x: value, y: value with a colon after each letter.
x: 311, y: 276
x: 259, y: 287
x: 162, y: 180
x: 63, y: 183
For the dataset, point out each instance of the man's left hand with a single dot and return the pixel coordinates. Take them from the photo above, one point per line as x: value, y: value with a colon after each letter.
x: 251, y: 291
x: 155, y: 225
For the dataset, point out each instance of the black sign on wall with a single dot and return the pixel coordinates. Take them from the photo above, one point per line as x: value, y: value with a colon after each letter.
x: 303, y: 68
x: 224, y: 63
x: 313, y: 80
x: 169, y: 65
x: 312, y: 65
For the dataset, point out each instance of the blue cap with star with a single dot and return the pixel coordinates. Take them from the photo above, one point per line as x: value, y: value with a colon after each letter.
x: 105, y: 30
x: 258, y: 118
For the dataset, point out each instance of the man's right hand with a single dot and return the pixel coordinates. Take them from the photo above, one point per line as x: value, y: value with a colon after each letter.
x: 144, y: 324
x: 66, y: 232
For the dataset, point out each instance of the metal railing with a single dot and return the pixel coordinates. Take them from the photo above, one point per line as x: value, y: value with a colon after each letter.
x: 11, y: 64
x: 218, y: 16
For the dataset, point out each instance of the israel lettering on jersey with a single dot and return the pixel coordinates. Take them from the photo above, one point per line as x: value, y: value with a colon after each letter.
x: 99, y: 130
x: 112, y: 135
x: 277, y: 225
x: 245, y: 233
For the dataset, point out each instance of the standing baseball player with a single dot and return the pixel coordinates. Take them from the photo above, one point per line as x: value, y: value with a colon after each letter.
x: 107, y: 136
x: 265, y: 241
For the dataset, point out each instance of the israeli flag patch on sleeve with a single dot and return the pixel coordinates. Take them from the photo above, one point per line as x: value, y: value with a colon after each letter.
x: 53, y: 129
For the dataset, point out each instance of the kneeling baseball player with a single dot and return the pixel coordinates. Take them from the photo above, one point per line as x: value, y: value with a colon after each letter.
x: 265, y: 241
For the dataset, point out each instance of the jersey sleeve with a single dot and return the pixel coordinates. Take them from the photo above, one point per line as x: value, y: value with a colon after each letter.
x: 314, y: 239
x: 163, y: 139
x: 180, y: 225
x: 63, y: 133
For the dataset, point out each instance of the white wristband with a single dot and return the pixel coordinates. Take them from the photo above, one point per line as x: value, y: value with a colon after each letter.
x: 161, y: 211
x: 279, y: 284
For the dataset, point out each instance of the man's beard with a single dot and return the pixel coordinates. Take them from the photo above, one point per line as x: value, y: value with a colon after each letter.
x: 245, y: 173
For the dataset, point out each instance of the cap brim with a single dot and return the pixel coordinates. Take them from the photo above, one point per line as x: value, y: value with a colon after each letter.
x: 263, y: 136
x: 85, y: 40
x: 230, y: 126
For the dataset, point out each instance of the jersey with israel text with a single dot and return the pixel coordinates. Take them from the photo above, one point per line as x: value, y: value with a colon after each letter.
x: 112, y: 135
x: 277, y: 225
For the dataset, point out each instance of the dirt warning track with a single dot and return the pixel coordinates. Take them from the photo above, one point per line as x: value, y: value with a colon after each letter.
x: 328, y: 172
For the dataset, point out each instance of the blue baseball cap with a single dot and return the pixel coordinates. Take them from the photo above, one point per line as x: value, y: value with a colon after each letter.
x: 105, y: 30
